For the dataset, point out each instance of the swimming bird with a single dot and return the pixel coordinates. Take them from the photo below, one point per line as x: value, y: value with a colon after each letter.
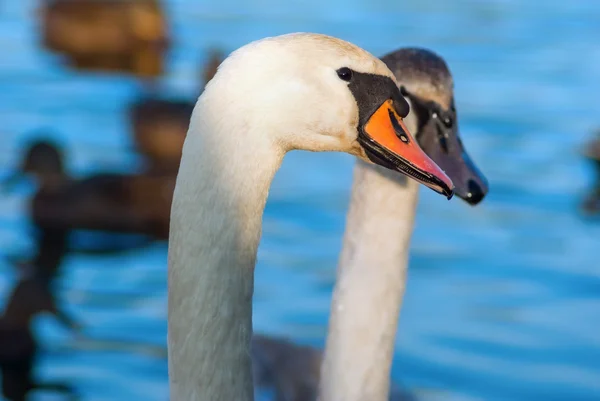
x: 375, y: 248
x: 32, y: 295
x: 298, y: 91
x: 115, y: 36
x: 159, y: 125
x: 591, y: 203
x: 371, y: 276
x: 111, y: 202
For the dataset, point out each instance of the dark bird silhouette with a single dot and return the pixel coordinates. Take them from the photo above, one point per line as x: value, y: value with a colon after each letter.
x: 591, y: 202
x: 31, y: 296
x: 110, y: 202
x: 160, y: 125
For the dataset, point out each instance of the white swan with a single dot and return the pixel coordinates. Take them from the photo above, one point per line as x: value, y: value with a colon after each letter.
x: 372, y: 271
x: 358, y: 367
x: 298, y: 91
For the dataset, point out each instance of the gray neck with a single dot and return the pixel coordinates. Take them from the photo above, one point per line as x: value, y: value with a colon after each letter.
x: 370, y: 286
x: 216, y: 216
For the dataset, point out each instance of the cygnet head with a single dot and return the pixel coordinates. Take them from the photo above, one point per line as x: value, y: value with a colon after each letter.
x: 318, y: 93
x: 426, y: 81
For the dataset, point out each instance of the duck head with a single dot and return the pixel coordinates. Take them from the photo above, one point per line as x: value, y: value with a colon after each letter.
x: 426, y: 82
x: 215, y: 58
x: 318, y: 93
x: 43, y: 161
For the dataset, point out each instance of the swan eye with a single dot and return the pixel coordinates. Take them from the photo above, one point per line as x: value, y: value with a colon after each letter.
x: 345, y: 74
x: 448, y: 121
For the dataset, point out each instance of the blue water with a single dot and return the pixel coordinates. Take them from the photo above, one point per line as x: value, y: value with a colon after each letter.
x: 503, y: 300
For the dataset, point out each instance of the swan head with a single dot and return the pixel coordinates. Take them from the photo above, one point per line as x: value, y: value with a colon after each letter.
x: 426, y: 81
x: 319, y: 93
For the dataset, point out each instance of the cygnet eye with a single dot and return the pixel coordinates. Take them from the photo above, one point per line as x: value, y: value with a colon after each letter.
x: 448, y: 121
x: 345, y: 74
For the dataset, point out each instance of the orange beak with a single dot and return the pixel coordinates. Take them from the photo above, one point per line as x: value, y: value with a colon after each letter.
x: 388, y: 142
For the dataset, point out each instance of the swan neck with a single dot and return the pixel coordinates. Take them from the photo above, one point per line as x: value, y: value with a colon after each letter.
x: 218, y: 203
x: 369, y: 287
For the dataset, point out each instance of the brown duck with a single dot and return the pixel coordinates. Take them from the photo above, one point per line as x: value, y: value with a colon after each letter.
x: 121, y: 36
x: 160, y: 125
x: 31, y: 296
x: 118, y: 203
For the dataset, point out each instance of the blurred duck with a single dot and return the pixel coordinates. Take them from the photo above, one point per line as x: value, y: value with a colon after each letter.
x: 235, y: 145
x: 105, y: 35
x: 119, y: 203
x: 591, y: 203
x: 52, y: 247
x: 160, y: 125
x: 18, y: 348
x: 366, y: 299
